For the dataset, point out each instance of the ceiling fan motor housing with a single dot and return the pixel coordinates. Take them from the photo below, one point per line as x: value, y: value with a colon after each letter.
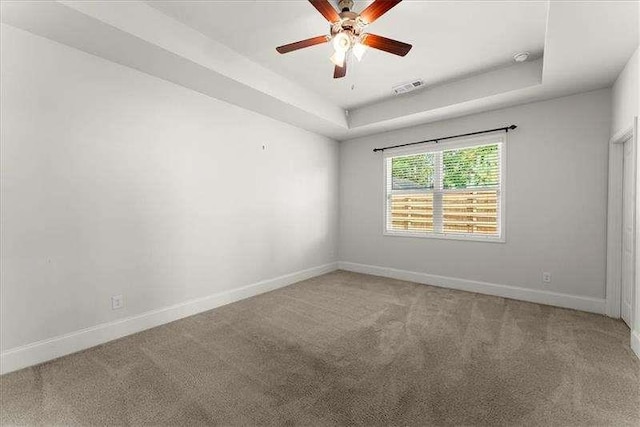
x: 350, y: 22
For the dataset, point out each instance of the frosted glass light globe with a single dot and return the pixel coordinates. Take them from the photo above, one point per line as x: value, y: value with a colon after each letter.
x: 341, y: 42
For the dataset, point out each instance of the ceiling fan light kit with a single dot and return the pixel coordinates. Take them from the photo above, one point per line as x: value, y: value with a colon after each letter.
x: 347, y: 33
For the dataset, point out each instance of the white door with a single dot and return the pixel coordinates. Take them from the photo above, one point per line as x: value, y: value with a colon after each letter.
x: 628, y: 232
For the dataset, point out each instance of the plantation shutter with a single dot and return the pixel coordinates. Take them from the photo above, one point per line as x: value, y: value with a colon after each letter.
x: 446, y: 190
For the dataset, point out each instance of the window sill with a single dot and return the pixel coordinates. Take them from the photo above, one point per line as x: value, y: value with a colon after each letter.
x: 447, y: 236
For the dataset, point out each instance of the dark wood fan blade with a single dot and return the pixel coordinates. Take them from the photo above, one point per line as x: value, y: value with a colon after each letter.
x: 388, y: 45
x: 325, y: 8
x: 377, y: 9
x: 340, y: 72
x: 302, y: 44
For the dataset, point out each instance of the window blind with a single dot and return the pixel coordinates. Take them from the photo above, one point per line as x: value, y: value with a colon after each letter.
x: 446, y: 190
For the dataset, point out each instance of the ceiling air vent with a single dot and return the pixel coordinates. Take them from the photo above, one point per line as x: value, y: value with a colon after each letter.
x: 407, y: 87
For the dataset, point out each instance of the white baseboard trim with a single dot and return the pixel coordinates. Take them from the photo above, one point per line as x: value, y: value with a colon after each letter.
x: 593, y: 305
x: 635, y: 342
x: 52, y: 348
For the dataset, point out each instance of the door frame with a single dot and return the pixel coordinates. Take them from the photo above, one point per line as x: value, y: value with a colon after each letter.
x: 614, y: 222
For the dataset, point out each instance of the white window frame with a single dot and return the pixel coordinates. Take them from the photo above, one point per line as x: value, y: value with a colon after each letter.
x: 488, y: 139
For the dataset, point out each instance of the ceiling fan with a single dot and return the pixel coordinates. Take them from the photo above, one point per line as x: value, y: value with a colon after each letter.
x: 347, y: 32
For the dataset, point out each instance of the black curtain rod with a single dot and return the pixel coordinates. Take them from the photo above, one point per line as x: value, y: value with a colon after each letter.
x: 436, y: 140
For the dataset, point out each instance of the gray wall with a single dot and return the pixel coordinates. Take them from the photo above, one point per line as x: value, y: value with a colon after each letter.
x: 625, y: 98
x: 556, y: 183
x: 115, y: 182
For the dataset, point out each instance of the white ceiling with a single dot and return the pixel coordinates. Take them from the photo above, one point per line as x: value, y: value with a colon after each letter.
x: 450, y: 40
x: 462, y: 49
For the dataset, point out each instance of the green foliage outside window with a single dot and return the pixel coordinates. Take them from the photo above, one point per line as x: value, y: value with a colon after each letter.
x: 463, y: 168
x: 410, y: 172
x: 471, y: 167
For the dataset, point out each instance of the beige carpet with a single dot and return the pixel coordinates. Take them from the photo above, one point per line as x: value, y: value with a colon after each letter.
x: 347, y: 348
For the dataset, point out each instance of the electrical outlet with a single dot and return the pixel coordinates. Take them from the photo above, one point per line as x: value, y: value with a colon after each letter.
x: 117, y: 302
x: 546, y: 277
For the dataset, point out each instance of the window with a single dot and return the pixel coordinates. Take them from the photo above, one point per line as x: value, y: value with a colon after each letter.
x: 452, y: 190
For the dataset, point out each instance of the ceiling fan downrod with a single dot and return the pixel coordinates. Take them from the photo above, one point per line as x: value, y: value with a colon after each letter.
x: 345, y: 5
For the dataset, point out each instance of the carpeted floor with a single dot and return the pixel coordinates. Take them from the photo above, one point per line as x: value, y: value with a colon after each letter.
x: 347, y: 348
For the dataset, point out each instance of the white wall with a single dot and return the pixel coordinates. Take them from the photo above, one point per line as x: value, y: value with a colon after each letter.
x: 625, y: 98
x: 115, y: 182
x: 556, y: 185
x: 626, y: 106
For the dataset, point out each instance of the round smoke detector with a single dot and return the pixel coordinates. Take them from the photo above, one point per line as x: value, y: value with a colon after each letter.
x: 521, y: 56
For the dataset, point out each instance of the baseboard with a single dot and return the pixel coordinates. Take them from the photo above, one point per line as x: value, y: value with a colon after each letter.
x: 625, y: 312
x: 635, y: 342
x: 42, y: 351
x: 593, y: 305
x: 45, y: 350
